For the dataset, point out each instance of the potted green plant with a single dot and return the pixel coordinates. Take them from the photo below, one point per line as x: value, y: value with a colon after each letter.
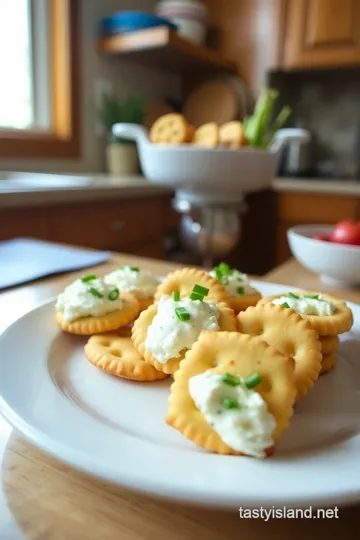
x: 121, y: 154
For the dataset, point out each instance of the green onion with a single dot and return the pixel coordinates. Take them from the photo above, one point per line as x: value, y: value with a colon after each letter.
x: 198, y: 289
x: 230, y: 403
x: 88, y: 278
x: 176, y: 296
x: 231, y: 380
x: 240, y: 290
x: 292, y: 295
x: 182, y: 314
x: 196, y: 296
x: 96, y: 293
x: 253, y: 380
x: 225, y: 269
x: 285, y: 305
x: 114, y: 294
x: 134, y: 268
x: 312, y: 296
x: 218, y: 273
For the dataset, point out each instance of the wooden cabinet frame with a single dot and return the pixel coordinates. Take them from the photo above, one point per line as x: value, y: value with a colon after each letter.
x: 63, y: 138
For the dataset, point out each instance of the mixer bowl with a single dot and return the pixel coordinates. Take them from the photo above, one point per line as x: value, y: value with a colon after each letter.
x: 226, y: 174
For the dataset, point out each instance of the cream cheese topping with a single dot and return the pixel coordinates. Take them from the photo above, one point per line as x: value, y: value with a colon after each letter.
x: 140, y: 283
x: 236, y: 283
x: 306, y: 305
x: 247, y: 428
x: 167, y: 336
x: 90, y: 298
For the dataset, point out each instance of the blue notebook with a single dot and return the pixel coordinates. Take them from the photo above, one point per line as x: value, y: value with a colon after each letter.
x: 23, y: 260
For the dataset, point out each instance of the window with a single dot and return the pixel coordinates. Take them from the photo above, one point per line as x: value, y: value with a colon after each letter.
x: 39, y: 90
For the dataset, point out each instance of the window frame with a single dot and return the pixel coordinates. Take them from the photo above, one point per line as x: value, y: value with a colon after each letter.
x: 63, y: 138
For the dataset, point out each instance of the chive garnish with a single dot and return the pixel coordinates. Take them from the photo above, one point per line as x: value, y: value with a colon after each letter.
x: 134, y: 268
x: 198, y: 289
x: 88, y: 278
x: 292, y: 295
x: 230, y: 403
x: 176, y: 296
x: 114, y: 294
x: 95, y: 292
x: 285, y: 305
x: 253, y: 380
x: 240, y: 290
x: 218, y: 273
x: 225, y: 269
x: 196, y: 296
x: 312, y: 296
x: 231, y: 380
x: 182, y: 314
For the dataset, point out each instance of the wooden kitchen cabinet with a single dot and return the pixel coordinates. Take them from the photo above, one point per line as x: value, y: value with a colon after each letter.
x: 307, y: 209
x: 135, y: 226
x: 321, y: 33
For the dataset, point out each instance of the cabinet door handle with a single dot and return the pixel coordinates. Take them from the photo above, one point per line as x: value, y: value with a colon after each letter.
x: 117, y: 225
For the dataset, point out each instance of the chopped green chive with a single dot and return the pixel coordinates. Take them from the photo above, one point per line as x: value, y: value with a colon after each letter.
x: 96, y: 293
x: 253, y: 380
x: 230, y: 403
x: 225, y: 269
x: 196, y: 296
x: 182, y: 314
x: 176, y: 296
x: 312, y: 296
x: 231, y: 380
x: 240, y: 290
x: 134, y: 268
x: 114, y: 294
x: 285, y: 305
x: 292, y: 295
x: 218, y: 273
x: 88, y: 278
x: 198, y: 289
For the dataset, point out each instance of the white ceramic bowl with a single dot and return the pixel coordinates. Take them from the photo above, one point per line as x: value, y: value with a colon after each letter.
x: 336, y: 264
x: 217, y: 174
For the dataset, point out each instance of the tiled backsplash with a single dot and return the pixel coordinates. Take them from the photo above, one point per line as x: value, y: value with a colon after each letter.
x: 327, y: 103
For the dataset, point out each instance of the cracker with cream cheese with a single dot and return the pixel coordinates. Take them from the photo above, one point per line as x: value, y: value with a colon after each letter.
x: 254, y: 424
x: 176, y: 332
x: 338, y: 320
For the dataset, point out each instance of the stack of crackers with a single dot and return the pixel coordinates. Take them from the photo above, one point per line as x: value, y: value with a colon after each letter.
x: 285, y: 350
x: 174, y: 129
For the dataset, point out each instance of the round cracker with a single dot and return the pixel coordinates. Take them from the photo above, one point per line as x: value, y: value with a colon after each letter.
x: 328, y: 363
x: 117, y: 355
x: 185, y: 279
x: 329, y: 344
x: 232, y: 135
x: 291, y: 335
x: 227, y: 322
x: 329, y: 325
x: 240, y: 355
x: 207, y: 135
x: 145, y: 302
x: 170, y: 128
x: 86, y: 326
x: 241, y: 303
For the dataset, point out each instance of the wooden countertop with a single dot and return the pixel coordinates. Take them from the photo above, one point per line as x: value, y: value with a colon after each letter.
x: 39, y: 189
x: 41, y: 498
x: 329, y: 186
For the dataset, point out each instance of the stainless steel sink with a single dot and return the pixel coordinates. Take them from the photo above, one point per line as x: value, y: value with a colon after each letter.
x: 30, y: 181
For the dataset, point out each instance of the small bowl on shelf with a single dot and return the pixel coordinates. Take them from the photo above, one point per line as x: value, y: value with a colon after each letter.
x: 336, y: 264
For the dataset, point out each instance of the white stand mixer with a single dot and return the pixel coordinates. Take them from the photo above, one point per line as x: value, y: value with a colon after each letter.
x: 209, y: 184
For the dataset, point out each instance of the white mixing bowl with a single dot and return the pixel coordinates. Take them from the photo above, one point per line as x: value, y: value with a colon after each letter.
x: 336, y: 264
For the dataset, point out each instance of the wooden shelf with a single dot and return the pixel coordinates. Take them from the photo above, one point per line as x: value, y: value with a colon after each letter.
x: 161, y: 48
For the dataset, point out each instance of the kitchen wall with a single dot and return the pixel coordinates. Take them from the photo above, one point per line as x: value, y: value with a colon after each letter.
x: 327, y: 104
x: 94, y: 67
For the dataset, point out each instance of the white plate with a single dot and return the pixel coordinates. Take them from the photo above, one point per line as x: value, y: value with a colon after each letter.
x: 115, y: 429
